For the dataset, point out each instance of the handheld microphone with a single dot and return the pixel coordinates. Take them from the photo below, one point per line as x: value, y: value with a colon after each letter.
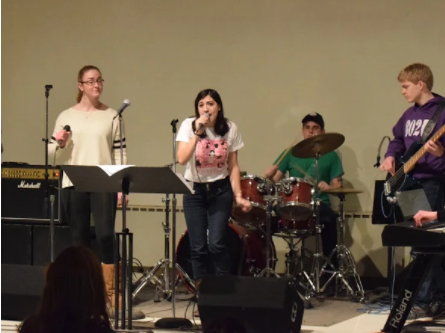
x: 124, y: 105
x: 66, y: 128
x: 200, y: 126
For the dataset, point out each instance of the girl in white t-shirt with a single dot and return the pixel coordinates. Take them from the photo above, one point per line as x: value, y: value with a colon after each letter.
x: 208, y: 146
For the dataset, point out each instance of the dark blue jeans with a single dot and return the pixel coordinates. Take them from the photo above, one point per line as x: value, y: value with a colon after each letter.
x: 209, y: 210
x: 435, y: 279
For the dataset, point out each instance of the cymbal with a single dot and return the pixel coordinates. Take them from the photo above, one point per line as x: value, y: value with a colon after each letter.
x: 342, y: 190
x: 322, y: 143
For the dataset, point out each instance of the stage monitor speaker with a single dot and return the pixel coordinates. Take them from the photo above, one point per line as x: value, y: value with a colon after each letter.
x: 261, y: 305
x: 22, y: 287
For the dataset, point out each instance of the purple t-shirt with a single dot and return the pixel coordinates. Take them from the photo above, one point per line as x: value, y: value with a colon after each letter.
x: 409, y: 129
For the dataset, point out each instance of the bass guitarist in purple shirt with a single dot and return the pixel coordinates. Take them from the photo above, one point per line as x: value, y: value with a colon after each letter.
x: 424, y: 166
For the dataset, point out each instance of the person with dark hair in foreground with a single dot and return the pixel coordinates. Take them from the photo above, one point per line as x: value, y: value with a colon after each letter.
x: 74, y: 298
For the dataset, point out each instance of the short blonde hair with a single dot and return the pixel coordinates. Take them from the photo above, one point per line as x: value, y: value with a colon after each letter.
x: 417, y: 72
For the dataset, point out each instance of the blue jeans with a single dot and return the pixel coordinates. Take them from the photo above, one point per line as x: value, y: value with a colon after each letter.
x: 209, y: 210
x: 435, y: 279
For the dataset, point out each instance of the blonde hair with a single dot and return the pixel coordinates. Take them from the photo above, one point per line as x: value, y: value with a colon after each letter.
x: 417, y: 72
x: 82, y: 71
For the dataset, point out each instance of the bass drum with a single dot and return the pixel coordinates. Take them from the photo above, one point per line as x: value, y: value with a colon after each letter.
x: 247, y: 251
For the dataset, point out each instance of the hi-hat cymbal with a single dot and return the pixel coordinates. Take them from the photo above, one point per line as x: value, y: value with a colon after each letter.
x: 342, y: 190
x: 322, y: 143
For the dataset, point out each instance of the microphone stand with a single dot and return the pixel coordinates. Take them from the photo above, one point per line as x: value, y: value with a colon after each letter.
x: 49, y: 189
x: 173, y: 124
x: 174, y: 322
x: 379, y: 150
x: 127, y: 251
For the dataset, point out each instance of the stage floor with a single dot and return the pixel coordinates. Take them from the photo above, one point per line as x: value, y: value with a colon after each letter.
x: 327, y: 316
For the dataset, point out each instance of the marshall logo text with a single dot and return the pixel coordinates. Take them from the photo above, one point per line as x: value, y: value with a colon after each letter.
x: 24, y: 184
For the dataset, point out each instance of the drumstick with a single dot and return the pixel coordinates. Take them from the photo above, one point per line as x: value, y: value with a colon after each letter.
x: 305, y: 174
x: 297, y: 166
x: 294, y: 142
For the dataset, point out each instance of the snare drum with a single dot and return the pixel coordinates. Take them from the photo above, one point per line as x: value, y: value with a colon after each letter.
x: 253, y: 188
x: 295, y: 199
x: 304, y: 227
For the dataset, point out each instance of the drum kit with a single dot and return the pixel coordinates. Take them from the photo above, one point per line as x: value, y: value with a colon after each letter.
x: 288, y: 209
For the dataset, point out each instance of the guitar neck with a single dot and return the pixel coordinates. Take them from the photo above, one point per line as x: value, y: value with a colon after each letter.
x: 409, y: 165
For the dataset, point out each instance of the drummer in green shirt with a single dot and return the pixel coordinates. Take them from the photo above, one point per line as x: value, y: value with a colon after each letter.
x: 330, y: 175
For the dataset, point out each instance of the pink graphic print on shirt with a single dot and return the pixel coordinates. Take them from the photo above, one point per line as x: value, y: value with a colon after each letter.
x: 211, y: 156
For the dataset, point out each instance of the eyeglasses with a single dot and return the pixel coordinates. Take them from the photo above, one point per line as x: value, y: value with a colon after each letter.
x: 92, y: 82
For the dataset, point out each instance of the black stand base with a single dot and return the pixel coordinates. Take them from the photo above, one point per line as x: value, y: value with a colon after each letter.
x: 124, y: 246
x: 173, y: 323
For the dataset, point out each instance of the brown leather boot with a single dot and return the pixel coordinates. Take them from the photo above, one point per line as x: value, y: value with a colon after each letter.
x: 108, y: 272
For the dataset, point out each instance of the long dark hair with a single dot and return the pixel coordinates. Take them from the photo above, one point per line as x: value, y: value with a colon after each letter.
x: 74, y: 298
x: 222, y: 123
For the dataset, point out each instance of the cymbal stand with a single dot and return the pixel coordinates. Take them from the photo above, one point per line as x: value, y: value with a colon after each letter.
x: 268, y: 271
x: 347, y: 271
x: 320, y: 261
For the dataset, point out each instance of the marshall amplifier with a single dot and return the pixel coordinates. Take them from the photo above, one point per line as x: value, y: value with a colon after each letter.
x: 24, y: 193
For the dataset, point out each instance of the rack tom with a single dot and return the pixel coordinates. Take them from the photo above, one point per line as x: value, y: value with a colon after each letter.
x: 254, y: 188
x: 295, y: 199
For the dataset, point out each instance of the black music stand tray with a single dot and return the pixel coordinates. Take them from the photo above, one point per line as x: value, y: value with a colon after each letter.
x: 128, y: 179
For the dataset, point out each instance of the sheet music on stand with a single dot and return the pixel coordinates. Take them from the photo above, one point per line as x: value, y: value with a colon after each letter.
x: 126, y: 179
x: 109, y: 178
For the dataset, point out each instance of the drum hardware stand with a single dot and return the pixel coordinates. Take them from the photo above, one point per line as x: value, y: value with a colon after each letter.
x: 168, y: 287
x: 319, y: 262
x: 165, y: 286
x: 346, y: 262
x: 268, y: 271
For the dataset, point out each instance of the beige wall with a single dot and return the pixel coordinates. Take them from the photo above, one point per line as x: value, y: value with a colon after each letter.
x: 272, y: 62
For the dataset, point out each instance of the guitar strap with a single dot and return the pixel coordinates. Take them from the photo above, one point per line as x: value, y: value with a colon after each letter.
x: 432, y: 123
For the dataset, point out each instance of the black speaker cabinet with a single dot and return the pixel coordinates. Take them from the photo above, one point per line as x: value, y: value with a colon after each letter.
x: 42, y: 243
x: 16, y: 244
x: 22, y: 287
x: 260, y: 305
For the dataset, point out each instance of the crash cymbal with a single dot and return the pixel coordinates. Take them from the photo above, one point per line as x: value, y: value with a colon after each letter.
x: 322, y: 143
x: 342, y: 190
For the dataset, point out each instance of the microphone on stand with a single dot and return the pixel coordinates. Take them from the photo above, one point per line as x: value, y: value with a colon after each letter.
x: 124, y: 105
x: 48, y: 87
x: 378, y: 151
x: 200, y: 126
x: 66, y: 128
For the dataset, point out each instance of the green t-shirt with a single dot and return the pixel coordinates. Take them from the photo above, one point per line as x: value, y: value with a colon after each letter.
x: 329, y: 167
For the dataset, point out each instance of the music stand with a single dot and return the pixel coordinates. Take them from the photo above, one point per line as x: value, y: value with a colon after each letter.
x: 126, y: 179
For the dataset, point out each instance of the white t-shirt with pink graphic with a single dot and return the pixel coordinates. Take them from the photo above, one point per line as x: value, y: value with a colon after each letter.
x: 209, y: 163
